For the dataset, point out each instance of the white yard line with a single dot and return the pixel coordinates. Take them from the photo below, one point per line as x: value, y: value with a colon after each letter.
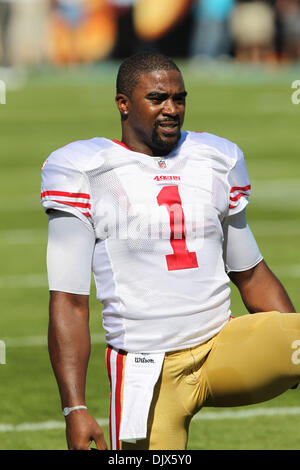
x: 16, y: 281
x: 291, y: 272
x: 40, y: 426
x: 201, y: 416
x: 41, y: 340
x: 247, y: 413
x: 281, y: 193
x: 23, y: 236
x: 260, y: 228
x: 275, y: 228
x: 21, y: 203
x: 35, y: 280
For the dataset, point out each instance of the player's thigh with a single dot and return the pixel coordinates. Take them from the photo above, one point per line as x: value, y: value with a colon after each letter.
x: 174, y: 401
x: 167, y: 423
x: 254, y: 358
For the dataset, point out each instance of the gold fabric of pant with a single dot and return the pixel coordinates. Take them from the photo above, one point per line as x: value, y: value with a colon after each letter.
x: 253, y: 359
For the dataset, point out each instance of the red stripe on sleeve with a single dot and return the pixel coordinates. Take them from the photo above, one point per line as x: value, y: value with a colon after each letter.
x: 83, y: 205
x: 65, y: 194
x: 240, y: 188
x: 238, y: 196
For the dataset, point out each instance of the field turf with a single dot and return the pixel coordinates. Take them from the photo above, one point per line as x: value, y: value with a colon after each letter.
x: 53, y: 107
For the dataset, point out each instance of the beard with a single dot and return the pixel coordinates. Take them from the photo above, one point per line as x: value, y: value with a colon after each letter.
x: 160, y: 146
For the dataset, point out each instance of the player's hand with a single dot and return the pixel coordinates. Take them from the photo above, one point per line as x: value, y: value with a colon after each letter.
x: 82, y: 429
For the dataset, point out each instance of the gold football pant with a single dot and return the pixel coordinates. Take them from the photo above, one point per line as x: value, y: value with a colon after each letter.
x: 253, y: 359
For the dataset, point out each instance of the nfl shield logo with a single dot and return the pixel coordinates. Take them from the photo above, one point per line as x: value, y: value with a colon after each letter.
x: 161, y: 163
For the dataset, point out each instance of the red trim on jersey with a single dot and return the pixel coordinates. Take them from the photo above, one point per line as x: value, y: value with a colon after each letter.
x: 240, y: 188
x: 238, y: 196
x: 116, y: 384
x: 108, y: 354
x: 118, y: 396
x: 121, y: 143
x: 242, y: 191
x: 65, y: 194
x: 83, y: 205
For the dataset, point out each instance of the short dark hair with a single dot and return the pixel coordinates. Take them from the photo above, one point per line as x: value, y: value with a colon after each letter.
x: 142, y: 62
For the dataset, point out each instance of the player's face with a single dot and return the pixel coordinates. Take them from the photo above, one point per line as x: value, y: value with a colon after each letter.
x: 156, y: 111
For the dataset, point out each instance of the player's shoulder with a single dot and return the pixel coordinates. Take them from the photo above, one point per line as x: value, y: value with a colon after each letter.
x: 81, y: 155
x: 217, y: 144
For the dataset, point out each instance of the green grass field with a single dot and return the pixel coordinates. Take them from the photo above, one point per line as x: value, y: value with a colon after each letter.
x: 252, y: 108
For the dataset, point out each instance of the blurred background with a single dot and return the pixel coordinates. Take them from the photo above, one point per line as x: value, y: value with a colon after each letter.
x: 59, y: 61
x: 62, y: 32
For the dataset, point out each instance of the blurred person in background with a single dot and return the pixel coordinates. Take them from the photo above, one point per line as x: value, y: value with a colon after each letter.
x: 253, y: 31
x: 28, y: 35
x: 126, y: 42
x: 152, y: 25
x: 82, y: 31
x: 289, y: 23
x: 65, y: 19
x: 211, y: 35
x: 71, y: 10
x: 5, y: 15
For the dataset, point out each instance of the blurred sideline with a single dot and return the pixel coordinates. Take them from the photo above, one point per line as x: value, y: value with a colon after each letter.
x: 62, y: 33
x: 226, y: 73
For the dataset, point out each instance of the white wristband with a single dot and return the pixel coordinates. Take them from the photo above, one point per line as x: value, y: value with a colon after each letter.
x: 67, y: 411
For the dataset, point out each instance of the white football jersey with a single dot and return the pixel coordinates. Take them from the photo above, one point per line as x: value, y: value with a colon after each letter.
x: 158, y: 259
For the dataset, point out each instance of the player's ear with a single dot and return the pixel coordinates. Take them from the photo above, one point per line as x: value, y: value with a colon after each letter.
x: 123, y: 103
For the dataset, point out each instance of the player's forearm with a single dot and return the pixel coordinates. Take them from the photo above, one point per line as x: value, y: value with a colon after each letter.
x: 269, y: 297
x: 69, y: 345
x: 261, y: 291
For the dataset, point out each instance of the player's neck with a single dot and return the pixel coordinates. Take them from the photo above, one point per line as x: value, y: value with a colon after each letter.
x: 136, y: 146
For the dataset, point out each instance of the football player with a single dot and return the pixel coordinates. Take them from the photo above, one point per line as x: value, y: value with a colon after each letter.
x: 159, y: 218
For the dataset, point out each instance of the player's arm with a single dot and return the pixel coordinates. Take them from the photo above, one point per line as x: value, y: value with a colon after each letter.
x: 69, y: 349
x: 69, y: 258
x: 260, y: 289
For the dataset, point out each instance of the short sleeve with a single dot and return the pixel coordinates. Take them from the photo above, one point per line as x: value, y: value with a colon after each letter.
x: 65, y: 188
x: 239, y: 185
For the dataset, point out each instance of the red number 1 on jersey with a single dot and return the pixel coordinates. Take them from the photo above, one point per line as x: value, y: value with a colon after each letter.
x: 181, y: 258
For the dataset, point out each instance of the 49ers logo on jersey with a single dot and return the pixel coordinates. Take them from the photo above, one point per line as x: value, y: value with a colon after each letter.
x: 166, y: 178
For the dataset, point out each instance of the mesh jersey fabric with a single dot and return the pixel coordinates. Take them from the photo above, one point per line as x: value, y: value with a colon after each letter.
x: 158, y: 259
